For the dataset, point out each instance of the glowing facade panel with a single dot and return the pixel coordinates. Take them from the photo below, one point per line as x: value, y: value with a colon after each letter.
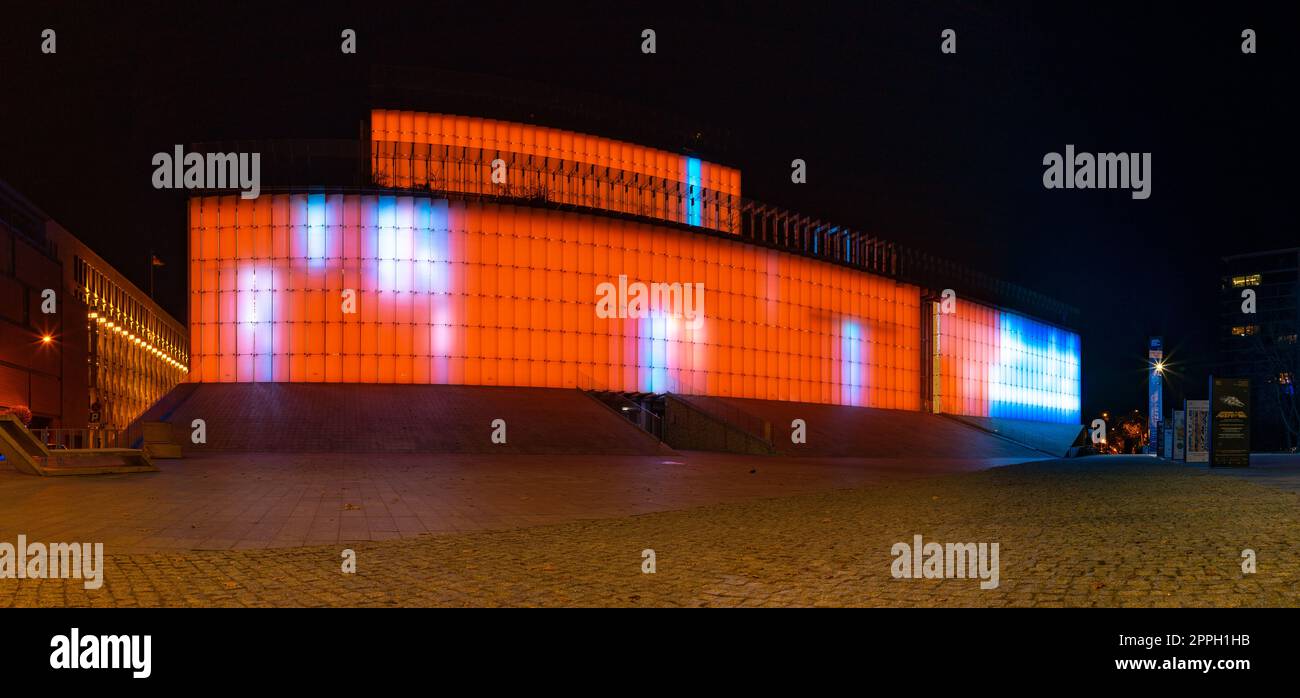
x: 481, y: 293
x: 417, y: 150
x: 995, y: 363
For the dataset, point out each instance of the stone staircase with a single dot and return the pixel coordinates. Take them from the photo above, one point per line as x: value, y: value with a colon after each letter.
x: 368, y: 418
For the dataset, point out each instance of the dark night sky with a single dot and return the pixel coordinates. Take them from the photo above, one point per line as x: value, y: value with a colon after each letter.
x: 940, y: 152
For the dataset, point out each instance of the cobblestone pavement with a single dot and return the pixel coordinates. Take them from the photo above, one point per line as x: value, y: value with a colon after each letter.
x: 1280, y: 470
x: 1086, y: 532
x: 223, y: 501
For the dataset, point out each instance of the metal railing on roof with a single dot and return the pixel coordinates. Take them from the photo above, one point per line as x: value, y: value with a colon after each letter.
x: 467, y: 171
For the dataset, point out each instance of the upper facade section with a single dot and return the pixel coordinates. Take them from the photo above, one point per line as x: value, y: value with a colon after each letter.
x: 471, y: 155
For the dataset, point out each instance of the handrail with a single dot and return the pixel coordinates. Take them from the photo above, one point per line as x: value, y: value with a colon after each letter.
x: 630, y: 409
x: 733, y: 417
x: 730, y: 433
x: 74, y: 438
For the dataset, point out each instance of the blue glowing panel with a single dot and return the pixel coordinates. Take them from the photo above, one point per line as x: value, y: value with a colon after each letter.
x: 999, y: 364
x: 851, y: 372
x: 316, y: 230
x: 1037, y: 373
x: 694, y: 209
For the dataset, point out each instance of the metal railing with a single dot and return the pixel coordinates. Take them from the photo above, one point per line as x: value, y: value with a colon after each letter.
x: 464, y: 170
x: 693, y: 427
x: 732, y: 416
x: 64, y: 438
x: 467, y: 171
x: 631, y: 410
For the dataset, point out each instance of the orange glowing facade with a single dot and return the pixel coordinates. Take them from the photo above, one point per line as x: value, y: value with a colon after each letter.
x: 482, y: 293
x: 483, y: 156
x: 489, y: 252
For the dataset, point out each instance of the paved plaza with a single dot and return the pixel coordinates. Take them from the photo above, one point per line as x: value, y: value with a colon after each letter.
x: 257, y: 530
x: 230, y: 500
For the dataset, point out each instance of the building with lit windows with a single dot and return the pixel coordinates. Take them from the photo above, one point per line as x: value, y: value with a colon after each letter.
x: 103, y: 355
x: 1262, y: 345
x: 473, y: 251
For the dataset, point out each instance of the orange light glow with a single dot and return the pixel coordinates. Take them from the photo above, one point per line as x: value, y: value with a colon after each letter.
x: 454, y: 153
x: 481, y: 293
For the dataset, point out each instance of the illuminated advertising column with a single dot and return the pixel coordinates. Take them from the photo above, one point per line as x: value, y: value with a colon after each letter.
x: 1155, y: 392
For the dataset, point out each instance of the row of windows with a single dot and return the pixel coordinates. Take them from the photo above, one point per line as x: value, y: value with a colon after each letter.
x: 108, y: 300
x: 126, y: 379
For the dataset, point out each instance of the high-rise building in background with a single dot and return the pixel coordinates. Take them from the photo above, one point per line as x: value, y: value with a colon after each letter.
x: 1261, y: 345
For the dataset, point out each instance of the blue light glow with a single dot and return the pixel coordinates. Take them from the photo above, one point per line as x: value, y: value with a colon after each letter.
x: 851, y: 363
x: 1037, y: 373
x: 653, y: 352
x: 316, y: 229
x: 694, y: 209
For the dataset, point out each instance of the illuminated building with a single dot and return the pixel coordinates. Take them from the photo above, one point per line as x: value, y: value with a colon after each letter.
x: 105, y: 345
x: 475, y: 253
x: 1262, y: 345
x: 136, y: 351
x: 491, y: 294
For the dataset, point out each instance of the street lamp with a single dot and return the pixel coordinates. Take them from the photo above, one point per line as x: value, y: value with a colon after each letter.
x: 1155, y: 392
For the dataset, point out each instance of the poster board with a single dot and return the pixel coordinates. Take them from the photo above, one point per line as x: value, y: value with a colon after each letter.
x: 1198, y: 430
x: 1229, y: 422
x: 1180, y: 435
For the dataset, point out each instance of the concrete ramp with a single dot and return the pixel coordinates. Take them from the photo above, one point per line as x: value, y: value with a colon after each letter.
x: 1055, y: 439
x: 28, y: 455
x: 861, y: 432
x: 368, y: 418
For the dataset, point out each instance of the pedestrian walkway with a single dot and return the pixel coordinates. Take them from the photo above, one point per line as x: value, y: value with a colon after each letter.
x: 224, y: 500
x: 1105, y: 531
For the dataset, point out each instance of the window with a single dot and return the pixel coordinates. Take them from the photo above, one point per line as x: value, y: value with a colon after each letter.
x: 1245, y: 331
x: 1247, y: 280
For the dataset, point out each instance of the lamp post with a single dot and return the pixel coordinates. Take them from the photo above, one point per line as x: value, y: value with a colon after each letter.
x: 1155, y: 392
